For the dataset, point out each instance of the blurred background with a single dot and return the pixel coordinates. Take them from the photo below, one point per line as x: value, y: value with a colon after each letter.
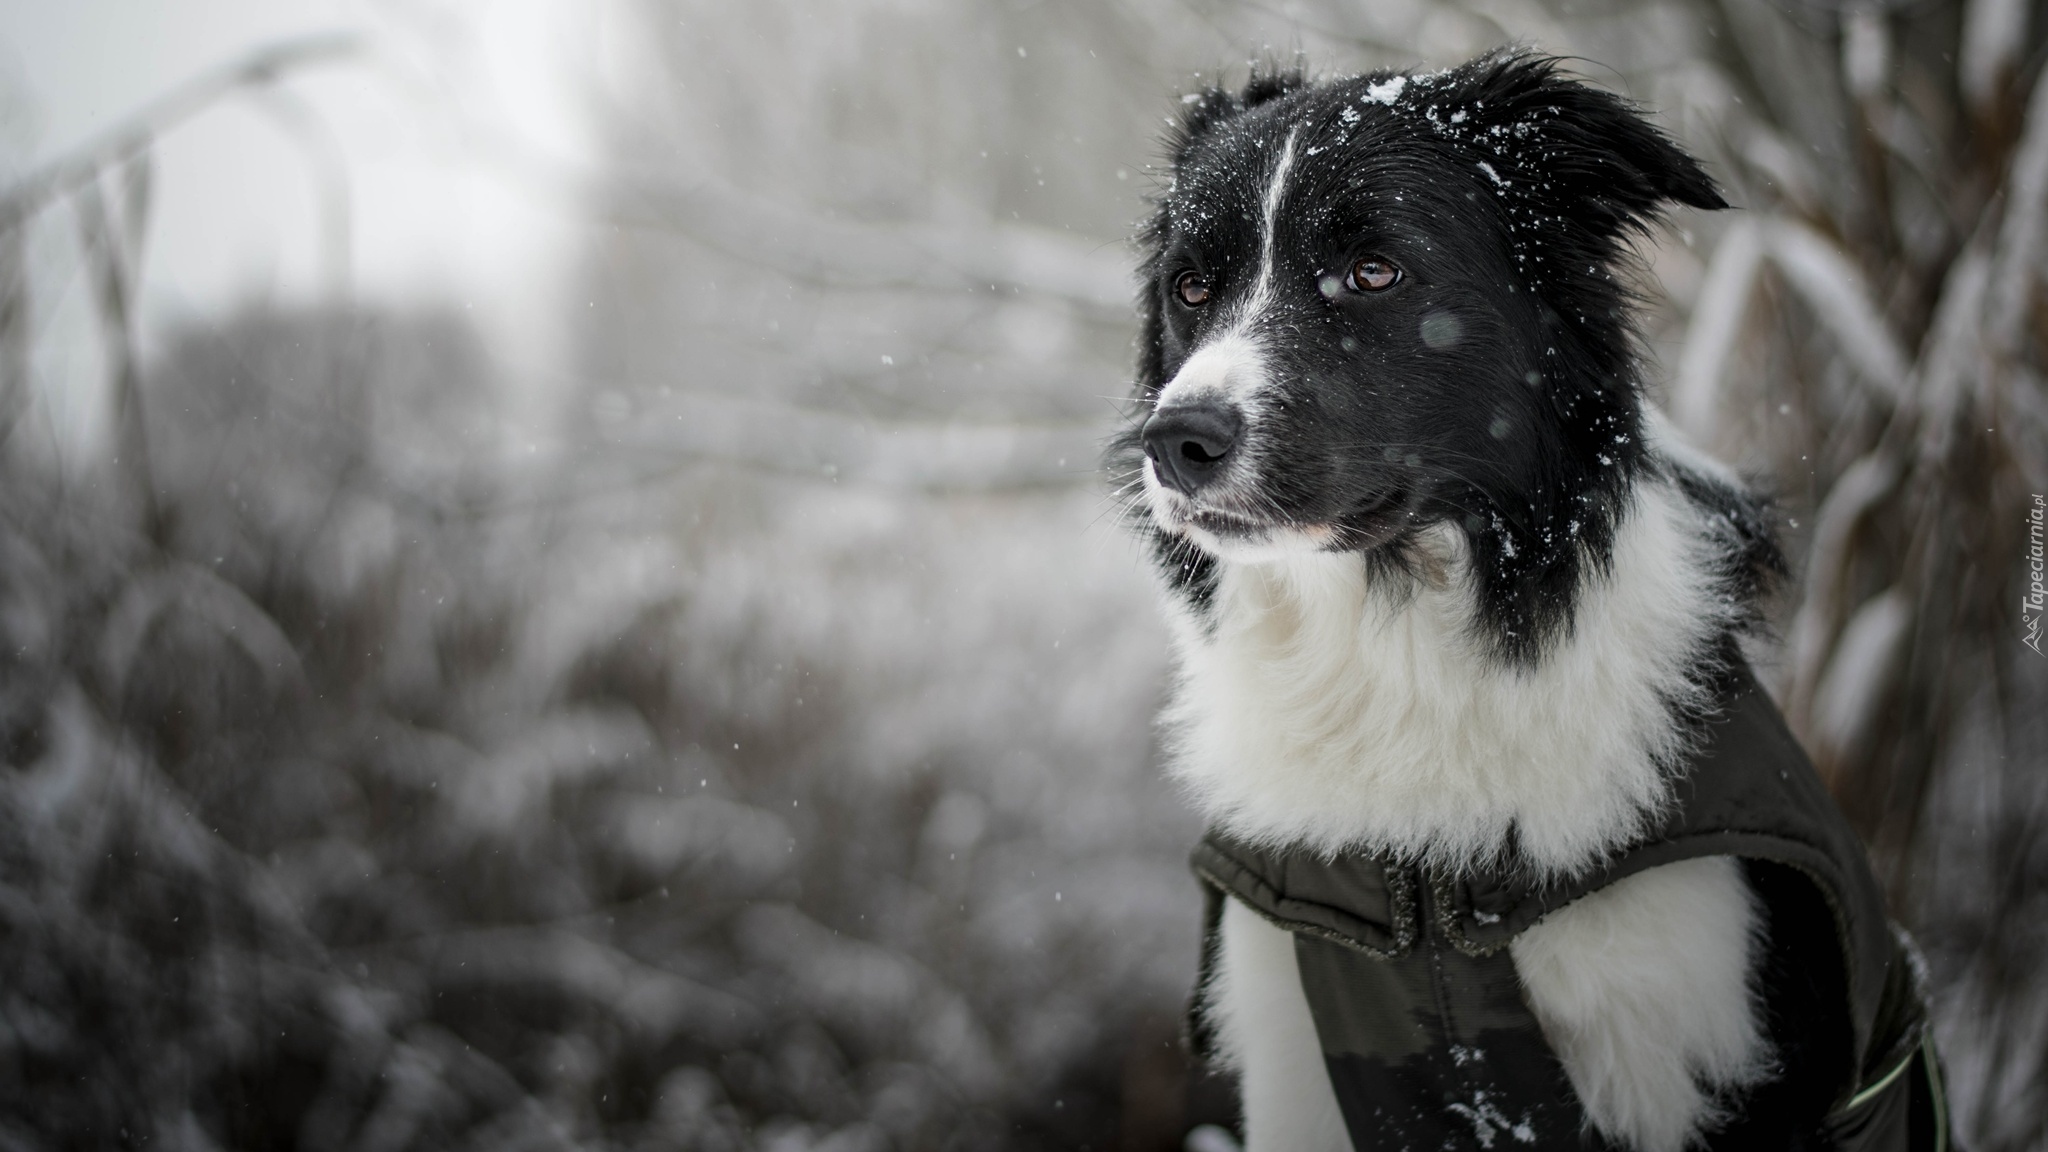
x: 555, y: 592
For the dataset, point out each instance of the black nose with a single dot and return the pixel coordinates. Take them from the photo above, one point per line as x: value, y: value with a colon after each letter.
x: 1189, y: 445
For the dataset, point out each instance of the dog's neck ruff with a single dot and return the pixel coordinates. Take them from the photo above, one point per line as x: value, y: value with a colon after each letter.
x: 1316, y: 709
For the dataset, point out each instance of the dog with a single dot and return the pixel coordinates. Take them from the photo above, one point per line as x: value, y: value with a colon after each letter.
x: 1449, y: 601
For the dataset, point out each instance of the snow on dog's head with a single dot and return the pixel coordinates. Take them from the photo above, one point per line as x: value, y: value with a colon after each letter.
x: 1382, y: 304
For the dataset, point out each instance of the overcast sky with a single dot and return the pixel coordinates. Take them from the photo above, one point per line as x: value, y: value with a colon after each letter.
x: 442, y: 122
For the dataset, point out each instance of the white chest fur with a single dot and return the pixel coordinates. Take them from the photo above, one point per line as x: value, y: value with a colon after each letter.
x: 1321, y: 711
x: 1316, y: 710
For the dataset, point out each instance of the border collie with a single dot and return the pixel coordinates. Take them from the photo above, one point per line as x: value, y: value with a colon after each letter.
x: 1441, y: 589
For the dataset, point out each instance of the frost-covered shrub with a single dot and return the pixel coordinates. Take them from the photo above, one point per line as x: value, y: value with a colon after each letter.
x: 402, y: 801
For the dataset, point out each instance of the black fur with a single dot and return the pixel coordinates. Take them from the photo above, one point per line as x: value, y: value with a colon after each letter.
x: 1493, y: 388
x: 1755, y: 563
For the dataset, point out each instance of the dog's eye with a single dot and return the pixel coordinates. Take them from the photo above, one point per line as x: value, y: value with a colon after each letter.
x: 1192, y: 289
x: 1372, y: 274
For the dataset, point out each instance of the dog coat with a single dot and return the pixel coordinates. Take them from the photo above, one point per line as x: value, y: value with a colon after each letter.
x: 1424, y: 1029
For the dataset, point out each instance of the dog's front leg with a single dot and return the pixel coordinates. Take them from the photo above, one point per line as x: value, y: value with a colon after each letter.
x: 1263, y: 1024
x: 1643, y: 990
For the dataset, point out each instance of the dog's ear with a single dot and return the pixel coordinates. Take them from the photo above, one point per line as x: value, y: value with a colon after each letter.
x: 1201, y: 111
x: 1270, y: 83
x: 1588, y: 151
x: 1205, y: 108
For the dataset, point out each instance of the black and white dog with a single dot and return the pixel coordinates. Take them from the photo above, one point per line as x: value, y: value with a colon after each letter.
x: 1441, y: 589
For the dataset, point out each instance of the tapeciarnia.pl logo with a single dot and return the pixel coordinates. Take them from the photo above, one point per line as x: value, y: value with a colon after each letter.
x: 2036, y: 599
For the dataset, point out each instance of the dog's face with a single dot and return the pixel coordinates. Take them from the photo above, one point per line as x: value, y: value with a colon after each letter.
x: 1382, y: 303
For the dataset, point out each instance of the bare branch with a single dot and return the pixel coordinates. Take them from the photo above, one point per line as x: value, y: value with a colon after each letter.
x: 1861, y: 488
x: 1830, y: 283
x: 836, y: 446
x: 1994, y: 34
x: 1094, y: 274
x: 113, y: 257
x: 2016, y: 273
x: 1953, y: 356
x: 328, y: 166
x: 1716, y: 328
x: 1860, y: 676
x: 1819, y: 272
x: 188, y: 588
x: 134, y: 133
x: 16, y: 332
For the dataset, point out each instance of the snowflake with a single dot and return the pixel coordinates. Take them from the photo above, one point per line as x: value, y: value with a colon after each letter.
x: 1386, y: 92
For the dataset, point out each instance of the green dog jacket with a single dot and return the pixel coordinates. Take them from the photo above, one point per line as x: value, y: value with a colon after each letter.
x: 1428, y: 1039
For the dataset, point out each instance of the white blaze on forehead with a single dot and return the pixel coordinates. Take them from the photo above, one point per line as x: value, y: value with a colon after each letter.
x: 1230, y: 366
x: 1269, y: 213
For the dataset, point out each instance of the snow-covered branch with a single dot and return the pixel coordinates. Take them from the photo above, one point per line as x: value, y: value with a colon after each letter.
x: 1091, y: 273
x: 838, y: 446
x: 1822, y: 275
